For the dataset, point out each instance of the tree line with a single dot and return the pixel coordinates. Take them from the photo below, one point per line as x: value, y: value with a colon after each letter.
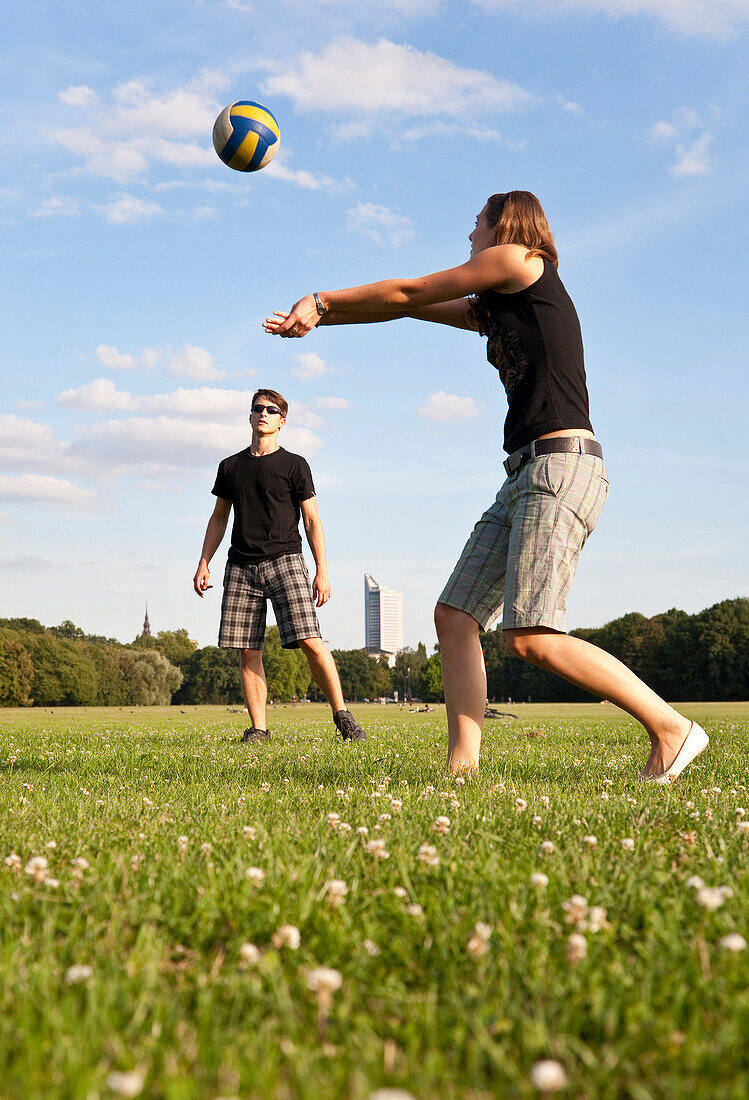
x: 690, y: 657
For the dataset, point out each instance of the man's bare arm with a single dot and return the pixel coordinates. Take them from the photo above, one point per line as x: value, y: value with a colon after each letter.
x: 316, y: 539
x: 214, y: 533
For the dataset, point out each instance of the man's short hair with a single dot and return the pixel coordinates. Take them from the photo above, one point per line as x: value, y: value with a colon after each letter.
x: 275, y: 397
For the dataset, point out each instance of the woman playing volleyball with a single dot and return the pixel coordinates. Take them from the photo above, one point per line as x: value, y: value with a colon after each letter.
x: 521, y: 557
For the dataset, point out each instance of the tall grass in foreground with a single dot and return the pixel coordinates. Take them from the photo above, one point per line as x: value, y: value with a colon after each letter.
x: 183, y: 916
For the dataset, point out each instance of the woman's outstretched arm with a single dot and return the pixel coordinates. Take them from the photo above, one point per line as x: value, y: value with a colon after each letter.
x: 455, y: 313
x: 504, y: 266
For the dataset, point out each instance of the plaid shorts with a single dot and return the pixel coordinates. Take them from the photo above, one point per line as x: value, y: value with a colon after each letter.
x: 521, y: 558
x: 247, y: 588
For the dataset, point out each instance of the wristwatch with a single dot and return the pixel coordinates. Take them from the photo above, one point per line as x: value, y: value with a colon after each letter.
x: 322, y: 309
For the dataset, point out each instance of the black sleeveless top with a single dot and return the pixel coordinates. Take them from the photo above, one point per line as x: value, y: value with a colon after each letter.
x: 535, y: 343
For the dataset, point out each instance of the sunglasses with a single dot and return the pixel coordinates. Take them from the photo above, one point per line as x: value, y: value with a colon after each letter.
x: 267, y: 408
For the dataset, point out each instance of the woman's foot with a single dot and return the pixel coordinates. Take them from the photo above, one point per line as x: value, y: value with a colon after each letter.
x: 669, y: 757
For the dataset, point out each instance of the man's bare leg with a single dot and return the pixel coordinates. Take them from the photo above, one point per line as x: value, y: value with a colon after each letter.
x: 324, y: 672
x: 595, y: 670
x: 464, y: 682
x: 254, y: 685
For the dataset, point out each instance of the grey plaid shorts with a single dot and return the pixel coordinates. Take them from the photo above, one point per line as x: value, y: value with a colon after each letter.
x: 247, y: 588
x: 521, y: 558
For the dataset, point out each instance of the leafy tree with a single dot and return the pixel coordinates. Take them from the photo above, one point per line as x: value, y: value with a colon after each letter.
x: 16, y: 673
x: 210, y: 676
x: 430, y: 680
x: 175, y: 645
x: 152, y: 679
x: 360, y: 673
x: 64, y: 673
x: 67, y: 629
x: 407, y: 668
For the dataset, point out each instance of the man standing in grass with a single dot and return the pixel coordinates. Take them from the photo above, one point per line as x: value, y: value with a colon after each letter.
x: 269, y: 488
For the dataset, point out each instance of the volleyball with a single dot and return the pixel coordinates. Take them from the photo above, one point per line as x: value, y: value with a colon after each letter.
x: 246, y: 136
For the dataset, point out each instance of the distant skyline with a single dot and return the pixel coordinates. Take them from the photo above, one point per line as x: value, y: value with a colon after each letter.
x: 138, y: 270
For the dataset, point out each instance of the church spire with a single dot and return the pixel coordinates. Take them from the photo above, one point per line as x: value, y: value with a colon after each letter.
x: 146, y: 624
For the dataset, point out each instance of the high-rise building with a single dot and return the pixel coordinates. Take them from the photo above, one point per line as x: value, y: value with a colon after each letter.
x: 383, y: 618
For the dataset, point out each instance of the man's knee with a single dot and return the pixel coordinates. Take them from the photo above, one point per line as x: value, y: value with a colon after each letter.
x: 528, y: 645
x: 312, y: 646
x: 450, y: 622
x: 250, y: 658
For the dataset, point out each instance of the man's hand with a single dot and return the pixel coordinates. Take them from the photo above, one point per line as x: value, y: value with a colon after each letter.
x: 201, y: 578
x: 300, y: 320
x: 321, y: 588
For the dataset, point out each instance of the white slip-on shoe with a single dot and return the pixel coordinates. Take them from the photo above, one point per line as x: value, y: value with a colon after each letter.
x: 694, y: 743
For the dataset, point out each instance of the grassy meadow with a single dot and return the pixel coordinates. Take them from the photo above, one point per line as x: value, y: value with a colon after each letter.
x: 183, y: 916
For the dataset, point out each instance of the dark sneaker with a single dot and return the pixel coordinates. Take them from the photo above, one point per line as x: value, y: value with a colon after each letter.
x: 348, y: 727
x: 251, y: 736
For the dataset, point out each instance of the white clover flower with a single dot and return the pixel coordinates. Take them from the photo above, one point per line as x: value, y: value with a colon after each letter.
x: 428, y: 855
x: 376, y: 848
x: 537, y: 821
x: 400, y: 891
x: 743, y: 825
x: 576, y: 909
x: 52, y: 883
x: 577, y: 948
x: 80, y: 864
x: 442, y: 825
x: 597, y: 918
x: 362, y: 830
x: 548, y: 1076
x: 734, y: 941
x: 544, y: 800
x: 695, y: 882
x: 37, y: 868
x: 429, y: 789
x: 249, y: 832
x: 415, y: 910
x: 324, y: 979
x: 371, y: 948
x: 391, y: 1094
x: 459, y: 781
x: 709, y: 898
x: 628, y: 844
x: 76, y: 974
x: 344, y: 827
x: 265, y: 787
x: 249, y: 954
x: 384, y: 818
x: 591, y: 841
x: 520, y: 805
x: 740, y: 811
x: 396, y: 805
x: 147, y: 802
x: 546, y: 847
x: 608, y: 782
x: 256, y: 875
x: 127, y: 1084
x: 286, y: 935
x: 478, y: 945
x: 333, y: 820
x: 336, y: 891
x: 206, y: 849
x: 14, y: 862
x: 539, y: 879
x: 51, y: 844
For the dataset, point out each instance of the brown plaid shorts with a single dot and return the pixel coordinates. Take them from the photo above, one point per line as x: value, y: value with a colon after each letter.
x: 247, y: 588
x: 521, y: 558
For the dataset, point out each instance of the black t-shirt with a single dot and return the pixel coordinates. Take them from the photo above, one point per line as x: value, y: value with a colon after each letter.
x: 266, y: 491
x: 535, y: 343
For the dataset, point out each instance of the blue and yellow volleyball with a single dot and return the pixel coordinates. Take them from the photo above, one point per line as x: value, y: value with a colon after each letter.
x: 246, y: 136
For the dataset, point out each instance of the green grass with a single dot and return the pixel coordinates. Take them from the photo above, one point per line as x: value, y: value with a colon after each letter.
x: 657, y: 1008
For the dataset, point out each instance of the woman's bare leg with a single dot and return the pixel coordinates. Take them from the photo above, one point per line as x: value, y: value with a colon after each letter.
x: 595, y: 670
x: 464, y: 683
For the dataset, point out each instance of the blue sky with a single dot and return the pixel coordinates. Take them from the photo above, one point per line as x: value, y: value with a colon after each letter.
x: 138, y: 269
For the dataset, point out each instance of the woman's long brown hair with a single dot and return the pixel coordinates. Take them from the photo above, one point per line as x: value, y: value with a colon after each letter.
x: 518, y: 218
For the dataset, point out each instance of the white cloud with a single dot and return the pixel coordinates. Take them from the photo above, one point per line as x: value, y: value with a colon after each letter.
x: 714, y: 18
x: 310, y: 181
x: 115, y: 360
x: 129, y: 210
x: 353, y: 77
x: 687, y: 137
x: 380, y: 224
x: 338, y: 404
x: 78, y: 95
x: 693, y: 159
x: 26, y: 442
x: 65, y: 206
x: 194, y: 362
x: 448, y: 406
x: 37, y: 489
x: 97, y: 396
x: 39, y: 403
x: 310, y: 365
